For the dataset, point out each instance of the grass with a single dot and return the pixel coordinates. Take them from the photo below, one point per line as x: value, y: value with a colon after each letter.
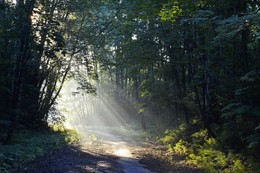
x: 27, y: 146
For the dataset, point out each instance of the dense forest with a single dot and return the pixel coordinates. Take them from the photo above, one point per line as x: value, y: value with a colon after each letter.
x: 193, y: 63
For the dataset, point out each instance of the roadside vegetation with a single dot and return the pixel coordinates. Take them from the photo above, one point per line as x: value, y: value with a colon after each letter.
x: 28, y: 145
x: 193, y: 147
x: 205, y: 152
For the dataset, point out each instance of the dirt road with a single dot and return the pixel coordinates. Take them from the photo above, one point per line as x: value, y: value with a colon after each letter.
x: 120, y: 147
x: 101, y: 151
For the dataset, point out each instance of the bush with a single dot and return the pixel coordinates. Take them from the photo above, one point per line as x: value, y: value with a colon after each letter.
x: 181, y: 147
x: 207, y: 154
x: 172, y: 137
x: 203, y: 151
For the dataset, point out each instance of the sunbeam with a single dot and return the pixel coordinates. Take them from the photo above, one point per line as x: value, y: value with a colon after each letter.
x: 102, y: 120
x: 89, y: 113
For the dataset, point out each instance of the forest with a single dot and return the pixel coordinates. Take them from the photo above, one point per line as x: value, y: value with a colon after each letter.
x: 189, y: 68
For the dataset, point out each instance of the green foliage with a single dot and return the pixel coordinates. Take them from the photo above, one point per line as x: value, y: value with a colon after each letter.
x: 245, y: 113
x: 170, y: 11
x: 172, y: 137
x: 71, y: 136
x: 27, y: 146
x: 207, y: 154
x: 204, y: 152
x: 181, y: 147
x: 92, y: 138
x: 145, y: 90
x: 198, y: 138
x: 213, y: 160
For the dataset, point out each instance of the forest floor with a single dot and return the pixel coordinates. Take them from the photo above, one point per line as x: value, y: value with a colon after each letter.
x: 110, y: 153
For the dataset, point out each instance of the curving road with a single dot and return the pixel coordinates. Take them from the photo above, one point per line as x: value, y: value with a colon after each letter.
x: 121, y: 147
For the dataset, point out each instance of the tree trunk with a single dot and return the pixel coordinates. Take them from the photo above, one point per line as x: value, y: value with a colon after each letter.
x: 24, y: 29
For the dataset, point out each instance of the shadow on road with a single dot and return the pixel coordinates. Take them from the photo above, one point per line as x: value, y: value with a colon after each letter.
x: 72, y: 159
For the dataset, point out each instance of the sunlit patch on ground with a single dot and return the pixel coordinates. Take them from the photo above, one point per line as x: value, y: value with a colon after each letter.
x: 118, y: 146
x: 123, y: 152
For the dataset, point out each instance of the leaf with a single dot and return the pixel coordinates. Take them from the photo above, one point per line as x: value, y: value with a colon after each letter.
x: 170, y: 11
x: 253, y: 138
x: 230, y: 106
x: 243, y: 109
x: 251, y: 76
x: 242, y: 90
x: 231, y: 20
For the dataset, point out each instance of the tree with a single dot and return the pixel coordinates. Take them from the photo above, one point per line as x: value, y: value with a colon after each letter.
x: 37, y: 59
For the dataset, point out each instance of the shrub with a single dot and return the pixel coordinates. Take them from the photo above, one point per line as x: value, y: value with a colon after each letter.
x: 209, y: 159
x: 172, y: 137
x: 181, y: 147
x: 203, y: 151
x: 206, y: 154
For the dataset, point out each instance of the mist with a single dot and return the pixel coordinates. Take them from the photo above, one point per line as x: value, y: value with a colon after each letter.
x: 85, y: 111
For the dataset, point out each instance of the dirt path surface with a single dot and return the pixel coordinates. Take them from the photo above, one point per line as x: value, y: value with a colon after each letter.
x: 121, y: 147
x: 145, y: 156
x: 73, y: 159
x: 105, y: 152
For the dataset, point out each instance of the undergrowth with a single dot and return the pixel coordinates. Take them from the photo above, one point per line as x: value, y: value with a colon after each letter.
x: 205, y: 152
x: 28, y: 145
